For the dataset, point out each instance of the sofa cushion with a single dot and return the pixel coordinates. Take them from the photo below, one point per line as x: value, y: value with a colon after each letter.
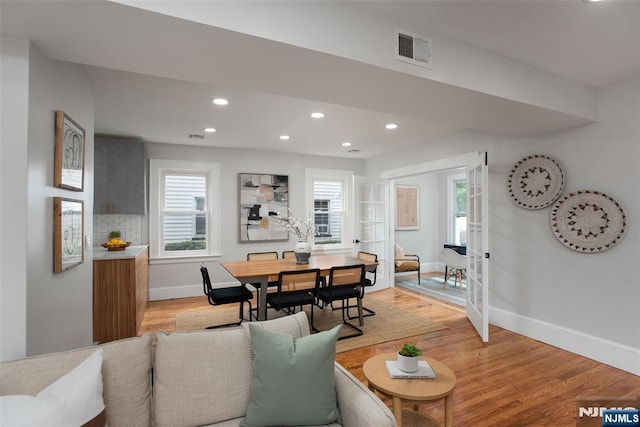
x: 293, y: 382
x: 73, y: 399
x: 201, y: 377
x: 126, y: 377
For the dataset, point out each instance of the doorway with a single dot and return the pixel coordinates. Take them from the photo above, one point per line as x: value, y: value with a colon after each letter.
x: 476, y: 260
x: 442, y: 223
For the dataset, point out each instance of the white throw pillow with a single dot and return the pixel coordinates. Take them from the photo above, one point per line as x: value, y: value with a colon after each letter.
x: 72, y: 400
x: 399, y: 254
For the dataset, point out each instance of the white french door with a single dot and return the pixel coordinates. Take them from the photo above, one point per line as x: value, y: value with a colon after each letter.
x: 477, y: 245
x: 371, y: 222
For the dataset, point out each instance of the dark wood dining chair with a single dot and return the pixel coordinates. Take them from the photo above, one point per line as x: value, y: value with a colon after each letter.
x: 295, y: 289
x: 256, y: 256
x: 226, y: 295
x: 345, y: 283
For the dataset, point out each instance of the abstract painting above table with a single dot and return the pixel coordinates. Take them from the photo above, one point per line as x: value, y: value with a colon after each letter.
x: 262, y: 198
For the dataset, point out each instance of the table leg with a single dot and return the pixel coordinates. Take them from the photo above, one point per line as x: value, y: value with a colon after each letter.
x: 262, y: 308
x: 448, y: 410
x: 397, y: 410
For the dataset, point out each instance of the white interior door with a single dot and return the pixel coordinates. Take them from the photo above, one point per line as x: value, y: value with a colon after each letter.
x: 477, y: 246
x: 371, y: 222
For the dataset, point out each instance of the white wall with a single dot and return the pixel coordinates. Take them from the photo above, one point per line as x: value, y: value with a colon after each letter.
x: 59, y: 305
x: 14, y: 122
x: 183, y: 279
x: 425, y: 241
x: 586, y: 303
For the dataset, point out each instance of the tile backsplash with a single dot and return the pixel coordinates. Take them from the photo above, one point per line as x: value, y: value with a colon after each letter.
x: 130, y: 227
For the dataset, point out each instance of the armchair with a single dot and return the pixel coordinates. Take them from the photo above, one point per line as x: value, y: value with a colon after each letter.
x: 406, y: 262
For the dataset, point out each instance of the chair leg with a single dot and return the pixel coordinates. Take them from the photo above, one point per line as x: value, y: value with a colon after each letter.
x: 238, y: 323
x: 313, y: 327
x: 345, y: 303
x: 447, y: 271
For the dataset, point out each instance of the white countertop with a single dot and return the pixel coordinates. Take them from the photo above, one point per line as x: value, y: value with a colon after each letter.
x: 100, y: 253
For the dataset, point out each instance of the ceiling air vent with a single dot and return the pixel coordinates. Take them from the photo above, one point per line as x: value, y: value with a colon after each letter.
x: 413, y: 49
x: 195, y: 136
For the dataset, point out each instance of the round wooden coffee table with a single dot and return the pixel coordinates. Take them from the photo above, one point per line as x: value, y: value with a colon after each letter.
x: 412, y: 390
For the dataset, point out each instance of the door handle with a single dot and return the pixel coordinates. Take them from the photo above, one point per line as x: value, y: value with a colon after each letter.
x: 357, y: 241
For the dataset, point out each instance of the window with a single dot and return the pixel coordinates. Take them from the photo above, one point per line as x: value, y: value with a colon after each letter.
x: 329, y: 196
x: 457, y: 208
x: 183, y: 214
x: 321, y: 218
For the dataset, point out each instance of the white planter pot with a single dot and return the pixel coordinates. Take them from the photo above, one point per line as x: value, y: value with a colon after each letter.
x: 302, y: 249
x: 407, y: 363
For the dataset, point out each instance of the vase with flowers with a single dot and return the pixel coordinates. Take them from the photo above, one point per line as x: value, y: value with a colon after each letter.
x: 303, y: 230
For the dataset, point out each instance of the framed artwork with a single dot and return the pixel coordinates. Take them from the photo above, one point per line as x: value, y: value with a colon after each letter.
x: 69, y: 153
x: 262, y: 197
x: 407, y: 207
x: 68, y: 232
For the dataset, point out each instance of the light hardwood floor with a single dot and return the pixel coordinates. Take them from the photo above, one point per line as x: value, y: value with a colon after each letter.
x: 511, y: 381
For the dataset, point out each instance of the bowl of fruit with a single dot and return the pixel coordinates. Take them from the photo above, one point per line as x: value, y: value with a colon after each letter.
x: 115, y: 243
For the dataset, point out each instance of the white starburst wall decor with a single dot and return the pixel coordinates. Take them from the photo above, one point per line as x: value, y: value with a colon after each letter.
x: 535, y: 182
x: 588, y: 221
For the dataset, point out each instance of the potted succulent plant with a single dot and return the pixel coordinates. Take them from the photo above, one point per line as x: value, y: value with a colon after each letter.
x: 408, y: 357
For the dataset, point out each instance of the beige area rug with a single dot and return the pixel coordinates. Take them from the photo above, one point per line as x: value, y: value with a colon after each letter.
x: 390, y: 323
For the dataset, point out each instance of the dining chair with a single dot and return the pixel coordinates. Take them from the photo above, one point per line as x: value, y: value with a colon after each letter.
x: 345, y: 282
x: 456, y: 265
x: 295, y: 290
x: 288, y: 255
x: 226, y: 295
x: 368, y: 282
x: 257, y: 256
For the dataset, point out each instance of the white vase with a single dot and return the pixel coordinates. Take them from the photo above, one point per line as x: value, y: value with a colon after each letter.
x: 407, y: 363
x: 302, y: 249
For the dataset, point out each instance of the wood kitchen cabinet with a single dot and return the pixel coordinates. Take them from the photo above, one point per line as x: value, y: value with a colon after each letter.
x: 120, y: 293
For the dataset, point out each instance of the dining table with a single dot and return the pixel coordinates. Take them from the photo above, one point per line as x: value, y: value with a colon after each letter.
x: 261, y: 272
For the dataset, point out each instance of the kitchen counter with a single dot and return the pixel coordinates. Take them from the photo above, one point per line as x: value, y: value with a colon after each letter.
x: 100, y: 253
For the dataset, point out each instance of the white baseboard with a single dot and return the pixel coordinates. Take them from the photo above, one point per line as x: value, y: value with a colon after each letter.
x: 608, y: 352
x: 184, y: 291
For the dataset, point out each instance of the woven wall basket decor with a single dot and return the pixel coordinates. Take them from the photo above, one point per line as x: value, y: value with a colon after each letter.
x: 588, y: 221
x: 535, y: 182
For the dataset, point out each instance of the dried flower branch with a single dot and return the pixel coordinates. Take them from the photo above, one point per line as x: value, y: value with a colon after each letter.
x: 302, y: 229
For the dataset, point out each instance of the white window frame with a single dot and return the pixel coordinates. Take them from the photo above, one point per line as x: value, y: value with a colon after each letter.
x: 346, y: 178
x: 158, y: 169
x: 451, y: 203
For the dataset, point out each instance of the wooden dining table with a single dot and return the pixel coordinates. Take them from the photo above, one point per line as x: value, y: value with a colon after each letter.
x: 264, y: 271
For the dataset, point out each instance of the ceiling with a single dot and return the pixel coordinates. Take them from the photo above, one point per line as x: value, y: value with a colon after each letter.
x: 592, y: 43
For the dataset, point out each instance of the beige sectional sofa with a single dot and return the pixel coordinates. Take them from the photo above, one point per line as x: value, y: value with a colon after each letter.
x: 185, y: 378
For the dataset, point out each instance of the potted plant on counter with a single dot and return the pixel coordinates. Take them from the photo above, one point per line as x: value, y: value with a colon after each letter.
x: 408, y: 357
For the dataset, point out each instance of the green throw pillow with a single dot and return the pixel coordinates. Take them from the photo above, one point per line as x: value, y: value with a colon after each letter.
x: 293, y: 382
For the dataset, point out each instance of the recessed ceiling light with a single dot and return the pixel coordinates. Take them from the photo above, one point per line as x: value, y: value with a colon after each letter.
x: 346, y: 144
x: 210, y: 130
x: 391, y: 126
x: 220, y: 101
x: 317, y: 115
x: 284, y: 137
